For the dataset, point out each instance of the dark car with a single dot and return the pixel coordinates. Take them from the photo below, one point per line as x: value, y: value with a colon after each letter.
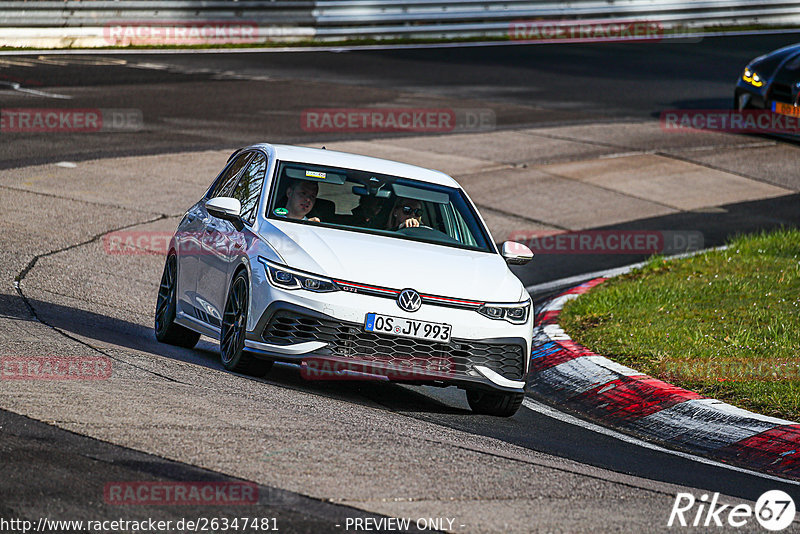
x: 772, y: 82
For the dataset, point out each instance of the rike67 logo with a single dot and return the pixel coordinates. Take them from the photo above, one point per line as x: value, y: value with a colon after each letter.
x: 774, y: 511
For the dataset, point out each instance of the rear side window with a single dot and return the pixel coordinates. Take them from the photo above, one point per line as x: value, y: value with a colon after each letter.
x: 248, y: 189
x: 224, y: 184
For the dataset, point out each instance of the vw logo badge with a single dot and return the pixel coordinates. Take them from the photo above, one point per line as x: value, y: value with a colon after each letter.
x: 409, y: 300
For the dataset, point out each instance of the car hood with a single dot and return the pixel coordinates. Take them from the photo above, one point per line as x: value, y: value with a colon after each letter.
x: 394, y: 263
x: 768, y: 64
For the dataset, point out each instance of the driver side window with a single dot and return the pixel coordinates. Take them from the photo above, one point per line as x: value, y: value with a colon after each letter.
x: 224, y: 184
x: 248, y: 189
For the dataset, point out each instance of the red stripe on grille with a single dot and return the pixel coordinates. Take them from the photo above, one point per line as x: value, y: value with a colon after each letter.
x: 397, y: 292
x: 373, y: 288
x: 470, y: 302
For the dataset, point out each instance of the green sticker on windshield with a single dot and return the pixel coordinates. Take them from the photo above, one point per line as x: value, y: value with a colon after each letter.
x: 281, y: 212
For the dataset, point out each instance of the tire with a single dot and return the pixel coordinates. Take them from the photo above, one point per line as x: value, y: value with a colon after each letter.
x: 166, y: 330
x: 497, y: 404
x: 234, y: 327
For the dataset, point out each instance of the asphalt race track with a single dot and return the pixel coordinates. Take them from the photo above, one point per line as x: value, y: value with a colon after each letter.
x: 322, y: 454
x: 207, y: 101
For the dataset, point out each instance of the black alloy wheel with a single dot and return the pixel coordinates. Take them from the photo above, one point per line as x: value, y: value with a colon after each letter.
x: 166, y: 329
x: 234, y: 328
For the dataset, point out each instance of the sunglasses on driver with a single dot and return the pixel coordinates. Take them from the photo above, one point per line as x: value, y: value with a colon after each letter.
x: 408, y: 210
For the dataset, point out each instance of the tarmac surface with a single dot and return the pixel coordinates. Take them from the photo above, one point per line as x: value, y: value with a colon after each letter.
x: 320, y: 450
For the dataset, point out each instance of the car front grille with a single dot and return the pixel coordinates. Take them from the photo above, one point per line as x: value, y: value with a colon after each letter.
x: 781, y: 92
x: 350, y: 341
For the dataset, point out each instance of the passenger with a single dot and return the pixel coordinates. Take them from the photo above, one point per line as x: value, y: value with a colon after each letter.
x: 300, y: 198
x: 367, y: 211
x: 406, y: 213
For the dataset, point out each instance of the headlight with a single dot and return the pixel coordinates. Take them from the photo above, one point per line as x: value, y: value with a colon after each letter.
x: 513, y: 313
x: 752, y: 77
x: 286, y: 278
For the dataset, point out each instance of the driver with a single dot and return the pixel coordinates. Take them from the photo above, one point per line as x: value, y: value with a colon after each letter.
x: 406, y: 213
x: 300, y: 198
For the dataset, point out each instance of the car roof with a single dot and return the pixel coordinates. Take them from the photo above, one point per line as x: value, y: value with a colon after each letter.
x: 346, y: 160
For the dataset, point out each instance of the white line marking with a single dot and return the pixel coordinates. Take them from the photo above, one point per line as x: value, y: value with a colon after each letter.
x: 557, y: 304
x: 17, y: 87
x: 575, y: 377
x: 696, y: 424
x: 735, y: 411
x: 626, y: 154
x: 555, y: 333
x: 580, y: 278
x: 545, y: 410
x: 614, y: 367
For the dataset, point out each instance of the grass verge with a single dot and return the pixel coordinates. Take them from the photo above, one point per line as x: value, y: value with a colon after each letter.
x: 724, y: 323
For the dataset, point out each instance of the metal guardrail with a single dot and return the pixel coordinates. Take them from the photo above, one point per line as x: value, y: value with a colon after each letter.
x: 362, y: 18
x: 81, y: 22
x: 74, y: 13
x: 338, y: 11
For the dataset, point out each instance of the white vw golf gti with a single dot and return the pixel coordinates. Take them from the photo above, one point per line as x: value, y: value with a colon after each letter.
x: 352, y: 267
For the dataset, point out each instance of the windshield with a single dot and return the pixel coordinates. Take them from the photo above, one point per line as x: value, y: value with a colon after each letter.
x: 377, y: 204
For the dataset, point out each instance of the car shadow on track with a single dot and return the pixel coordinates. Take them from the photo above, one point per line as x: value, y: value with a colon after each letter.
x: 392, y: 396
x: 106, y: 333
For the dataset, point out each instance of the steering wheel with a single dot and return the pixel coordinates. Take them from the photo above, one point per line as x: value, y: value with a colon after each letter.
x: 428, y: 233
x: 412, y: 230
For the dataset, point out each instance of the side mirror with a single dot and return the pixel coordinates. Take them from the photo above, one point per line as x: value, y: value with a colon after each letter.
x: 516, y: 253
x: 226, y: 208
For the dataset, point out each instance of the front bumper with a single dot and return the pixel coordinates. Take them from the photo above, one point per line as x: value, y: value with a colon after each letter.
x: 748, y: 97
x: 779, y: 89
x: 331, y: 348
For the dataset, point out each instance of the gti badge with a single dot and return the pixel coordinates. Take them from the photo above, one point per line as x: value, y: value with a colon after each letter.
x: 409, y: 300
